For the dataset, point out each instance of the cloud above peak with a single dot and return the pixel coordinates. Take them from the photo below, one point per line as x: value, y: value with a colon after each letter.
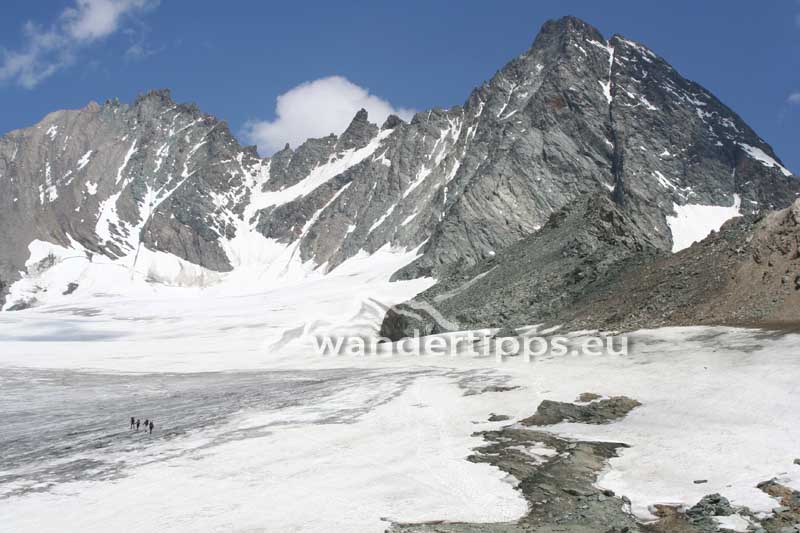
x: 45, y: 50
x: 315, y: 109
x: 793, y: 98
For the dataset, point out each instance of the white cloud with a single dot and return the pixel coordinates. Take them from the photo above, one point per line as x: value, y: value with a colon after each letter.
x: 794, y: 98
x: 138, y: 52
x: 315, y: 109
x: 45, y: 51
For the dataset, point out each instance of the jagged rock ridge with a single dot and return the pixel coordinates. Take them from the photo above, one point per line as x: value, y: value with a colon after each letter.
x: 574, y: 115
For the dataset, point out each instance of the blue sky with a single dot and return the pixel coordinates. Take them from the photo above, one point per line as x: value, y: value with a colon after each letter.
x: 235, y: 58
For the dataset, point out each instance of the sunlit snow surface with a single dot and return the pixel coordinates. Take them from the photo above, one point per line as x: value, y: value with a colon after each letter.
x: 253, y: 438
x: 694, y: 222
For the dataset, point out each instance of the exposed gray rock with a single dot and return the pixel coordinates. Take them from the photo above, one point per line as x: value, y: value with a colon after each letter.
x: 787, y: 513
x: 579, y: 250
x: 499, y: 388
x: 71, y: 287
x: 113, y: 176
x: 22, y: 305
x: 360, y: 132
x: 746, y: 286
x: 391, y: 122
x: 711, y: 505
x: 598, y: 412
x: 559, y: 488
x: 586, y: 397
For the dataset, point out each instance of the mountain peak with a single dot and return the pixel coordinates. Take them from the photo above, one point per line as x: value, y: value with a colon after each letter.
x: 621, y: 40
x: 391, y: 122
x: 160, y: 96
x: 359, y: 132
x: 361, y: 116
x: 568, y: 25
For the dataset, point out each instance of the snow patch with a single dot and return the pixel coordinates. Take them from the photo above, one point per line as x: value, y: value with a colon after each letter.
x: 646, y: 103
x: 606, y: 85
x: 759, y: 155
x: 383, y: 160
x: 422, y: 173
x: 382, y: 219
x: 161, y: 153
x: 667, y: 184
x: 409, y: 218
x: 128, y: 155
x: 84, y: 160
x: 694, y: 222
x: 536, y: 451
x: 734, y: 522
x: 322, y: 173
x: 108, y: 218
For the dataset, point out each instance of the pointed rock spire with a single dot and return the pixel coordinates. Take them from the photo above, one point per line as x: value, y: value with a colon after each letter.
x: 391, y: 122
x: 359, y: 132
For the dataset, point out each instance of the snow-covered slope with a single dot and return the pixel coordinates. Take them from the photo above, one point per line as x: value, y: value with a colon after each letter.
x: 249, y: 436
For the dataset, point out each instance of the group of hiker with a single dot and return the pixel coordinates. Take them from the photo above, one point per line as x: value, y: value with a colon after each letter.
x: 136, y: 422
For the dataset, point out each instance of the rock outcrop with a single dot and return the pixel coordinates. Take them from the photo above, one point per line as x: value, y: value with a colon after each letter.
x: 747, y: 274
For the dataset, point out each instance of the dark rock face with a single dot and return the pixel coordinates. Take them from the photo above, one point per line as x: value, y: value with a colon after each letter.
x: 711, y: 505
x: 597, y: 412
x: 576, y: 115
x: 579, y: 250
x: 111, y: 177
x: 71, y: 287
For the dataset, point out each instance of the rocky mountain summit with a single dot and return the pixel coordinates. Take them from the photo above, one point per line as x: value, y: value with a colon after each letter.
x: 576, y: 122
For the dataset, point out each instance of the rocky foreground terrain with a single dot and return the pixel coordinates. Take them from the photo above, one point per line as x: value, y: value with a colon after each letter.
x: 557, y: 477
